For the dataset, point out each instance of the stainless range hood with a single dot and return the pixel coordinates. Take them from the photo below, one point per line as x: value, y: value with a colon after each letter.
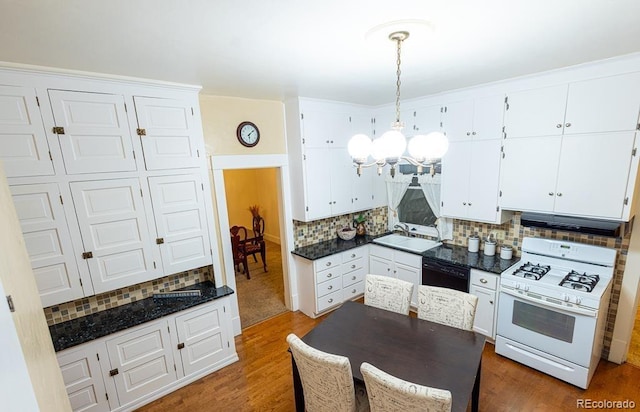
x: 599, y: 227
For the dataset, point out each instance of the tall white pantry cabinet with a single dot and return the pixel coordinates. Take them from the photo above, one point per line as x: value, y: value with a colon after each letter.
x: 109, y: 179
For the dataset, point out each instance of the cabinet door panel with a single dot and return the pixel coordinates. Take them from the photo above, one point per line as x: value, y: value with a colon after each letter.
x: 427, y: 120
x: 455, y: 179
x: 593, y: 173
x: 458, y: 120
x: 484, y: 179
x: 82, y: 377
x: 362, y: 188
x: 205, y: 337
x: 484, y: 319
x: 341, y: 171
x: 112, y: 220
x: 412, y: 275
x: 603, y: 105
x: 170, y: 140
x: 318, y: 184
x: 24, y: 150
x: 144, y: 360
x: 536, y: 112
x: 323, y: 128
x: 48, y: 242
x: 488, y: 117
x: 529, y: 172
x: 379, y: 266
x: 96, y: 132
x: 178, y: 206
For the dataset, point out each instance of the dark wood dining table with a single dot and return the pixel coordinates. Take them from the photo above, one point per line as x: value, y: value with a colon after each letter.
x: 409, y: 348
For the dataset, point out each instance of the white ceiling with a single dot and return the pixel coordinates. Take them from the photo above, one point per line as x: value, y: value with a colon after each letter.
x: 270, y: 49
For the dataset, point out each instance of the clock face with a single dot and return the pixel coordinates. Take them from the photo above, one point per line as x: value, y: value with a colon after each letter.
x: 248, y: 134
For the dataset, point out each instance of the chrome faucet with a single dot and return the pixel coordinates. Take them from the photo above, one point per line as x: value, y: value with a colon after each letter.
x: 403, y: 227
x: 439, y: 239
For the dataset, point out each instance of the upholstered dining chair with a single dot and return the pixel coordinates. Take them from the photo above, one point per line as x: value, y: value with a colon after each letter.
x: 388, y: 293
x: 389, y: 393
x: 327, y: 381
x: 447, y: 306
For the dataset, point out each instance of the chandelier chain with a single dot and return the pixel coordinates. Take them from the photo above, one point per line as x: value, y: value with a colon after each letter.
x: 399, y: 46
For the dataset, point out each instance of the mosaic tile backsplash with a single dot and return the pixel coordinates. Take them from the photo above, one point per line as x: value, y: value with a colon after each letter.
x: 92, y: 304
x: 509, y: 233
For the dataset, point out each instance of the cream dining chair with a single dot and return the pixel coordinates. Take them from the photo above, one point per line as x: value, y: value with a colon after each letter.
x: 447, y: 306
x: 327, y: 381
x: 388, y: 293
x: 389, y: 393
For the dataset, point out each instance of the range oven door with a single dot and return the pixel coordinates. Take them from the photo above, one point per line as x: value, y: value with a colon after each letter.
x: 565, y: 332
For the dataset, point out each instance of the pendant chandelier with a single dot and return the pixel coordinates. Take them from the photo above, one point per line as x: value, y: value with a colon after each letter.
x: 389, y: 149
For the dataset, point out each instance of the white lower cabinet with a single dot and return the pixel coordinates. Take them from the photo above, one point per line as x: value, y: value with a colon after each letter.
x: 484, y: 285
x: 133, y: 367
x: 397, y: 264
x: 329, y: 281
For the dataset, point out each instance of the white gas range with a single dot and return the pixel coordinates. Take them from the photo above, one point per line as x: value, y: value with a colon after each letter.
x: 553, y: 307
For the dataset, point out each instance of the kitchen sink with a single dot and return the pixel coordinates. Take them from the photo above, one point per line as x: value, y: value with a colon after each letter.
x: 411, y: 244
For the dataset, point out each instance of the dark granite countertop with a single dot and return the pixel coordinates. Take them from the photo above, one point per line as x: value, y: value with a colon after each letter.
x: 331, y: 247
x: 446, y: 253
x: 84, y: 329
x: 461, y: 256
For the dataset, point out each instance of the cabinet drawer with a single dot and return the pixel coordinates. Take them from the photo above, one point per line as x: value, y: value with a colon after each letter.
x: 329, y: 300
x: 353, y: 265
x: 327, y: 262
x: 353, y: 254
x: 381, y: 251
x: 484, y: 279
x: 353, y: 291
x: 329, y: 274
x: 328, y: 286
x: 409, y: 259
x: 353, y: 277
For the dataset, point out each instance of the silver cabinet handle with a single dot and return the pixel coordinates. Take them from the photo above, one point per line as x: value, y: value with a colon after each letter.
x: 468, y: 133
x: 559, y: 194
x: 474, y: 133
x: 330, y: 287
x: 353, y: 291
x: 550, y: 193
x: 567, y: 124
x: 328, y: 263
x: 331, y: 300
x: 353, y: 266
x: 329, y: 275
x: 353, y: 255
x: 353, y: 278
x: 469, y: 203
x: 464, y: 203
x: 483, y: 280
x: 559, y: 125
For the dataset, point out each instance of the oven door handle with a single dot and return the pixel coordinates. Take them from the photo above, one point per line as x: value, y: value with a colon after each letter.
x: 586, y: 312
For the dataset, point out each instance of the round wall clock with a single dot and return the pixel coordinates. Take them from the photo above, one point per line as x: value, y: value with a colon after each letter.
x: 248, y: 134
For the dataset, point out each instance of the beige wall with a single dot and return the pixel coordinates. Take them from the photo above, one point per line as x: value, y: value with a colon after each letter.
x: 222, y: 115
x: 18, y: 281
x: 246, y: 187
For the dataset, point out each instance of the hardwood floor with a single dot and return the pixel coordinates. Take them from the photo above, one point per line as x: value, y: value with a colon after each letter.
x: 261, y: 380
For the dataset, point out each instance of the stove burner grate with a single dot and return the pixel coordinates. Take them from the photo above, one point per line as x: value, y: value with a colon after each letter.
x: 531, y: 271
x: 580, y: 281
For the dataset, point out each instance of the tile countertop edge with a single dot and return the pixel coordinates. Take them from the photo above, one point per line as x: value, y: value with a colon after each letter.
x: 446, y: 253
x: 97, y: 325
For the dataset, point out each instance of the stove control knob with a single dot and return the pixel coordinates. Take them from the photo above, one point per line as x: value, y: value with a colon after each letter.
x: 565, y: 297
x: 526, y: 288
x: 578, y: 300
x: 517, y: 286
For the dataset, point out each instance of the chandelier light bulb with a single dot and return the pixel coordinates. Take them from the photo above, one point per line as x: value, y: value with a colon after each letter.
x: 395, y: 143
x: 378, y: 150
x: 418, y: 147
x: 437, y: 145
x: 359, y: 147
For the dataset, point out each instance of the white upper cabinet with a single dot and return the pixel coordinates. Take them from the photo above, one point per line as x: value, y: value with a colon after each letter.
x: 93, y: 132
x: 48, y: 242
x: 118, y: 245
x: 571, y: 149
x: 24, y: 150
x: 181, y: 221
x: 169, y: 137
x: 479, y: 118
x: 470, y: 176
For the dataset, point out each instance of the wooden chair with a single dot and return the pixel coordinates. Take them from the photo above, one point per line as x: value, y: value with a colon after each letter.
x: 238, y: 242
x: 447, y: 306
x: 327, y: 382
x: 389, y: 393
x: 388, y: 293
x: 257, y: 244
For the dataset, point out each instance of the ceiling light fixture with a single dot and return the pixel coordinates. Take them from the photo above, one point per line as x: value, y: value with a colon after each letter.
x: 424, y: 150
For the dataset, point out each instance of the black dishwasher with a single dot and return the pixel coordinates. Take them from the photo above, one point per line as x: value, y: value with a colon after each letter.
x: 445, y: 274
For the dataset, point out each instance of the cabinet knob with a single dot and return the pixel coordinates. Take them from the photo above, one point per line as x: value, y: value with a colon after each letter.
x: 468, y: 133
x: 464, y: 203
x: 327, y: 141
x: 559, y: 194
x: 328, y: 263
x: 474, y: 133
x: 483, y: 280
x: 331, y: 300
x: 353, y: 266
x: 353, y: 291
x: 180, y: 346
x: 353, y: 255
x: 330, y: 287
x: 567, y: 124
x: 353, y: 278
x: 469, y: 203
x: 550, y: 193
x: 491, y: 302
x: 559, y: 125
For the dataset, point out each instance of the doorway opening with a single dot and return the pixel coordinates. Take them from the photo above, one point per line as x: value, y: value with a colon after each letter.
x: 260, y: 295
